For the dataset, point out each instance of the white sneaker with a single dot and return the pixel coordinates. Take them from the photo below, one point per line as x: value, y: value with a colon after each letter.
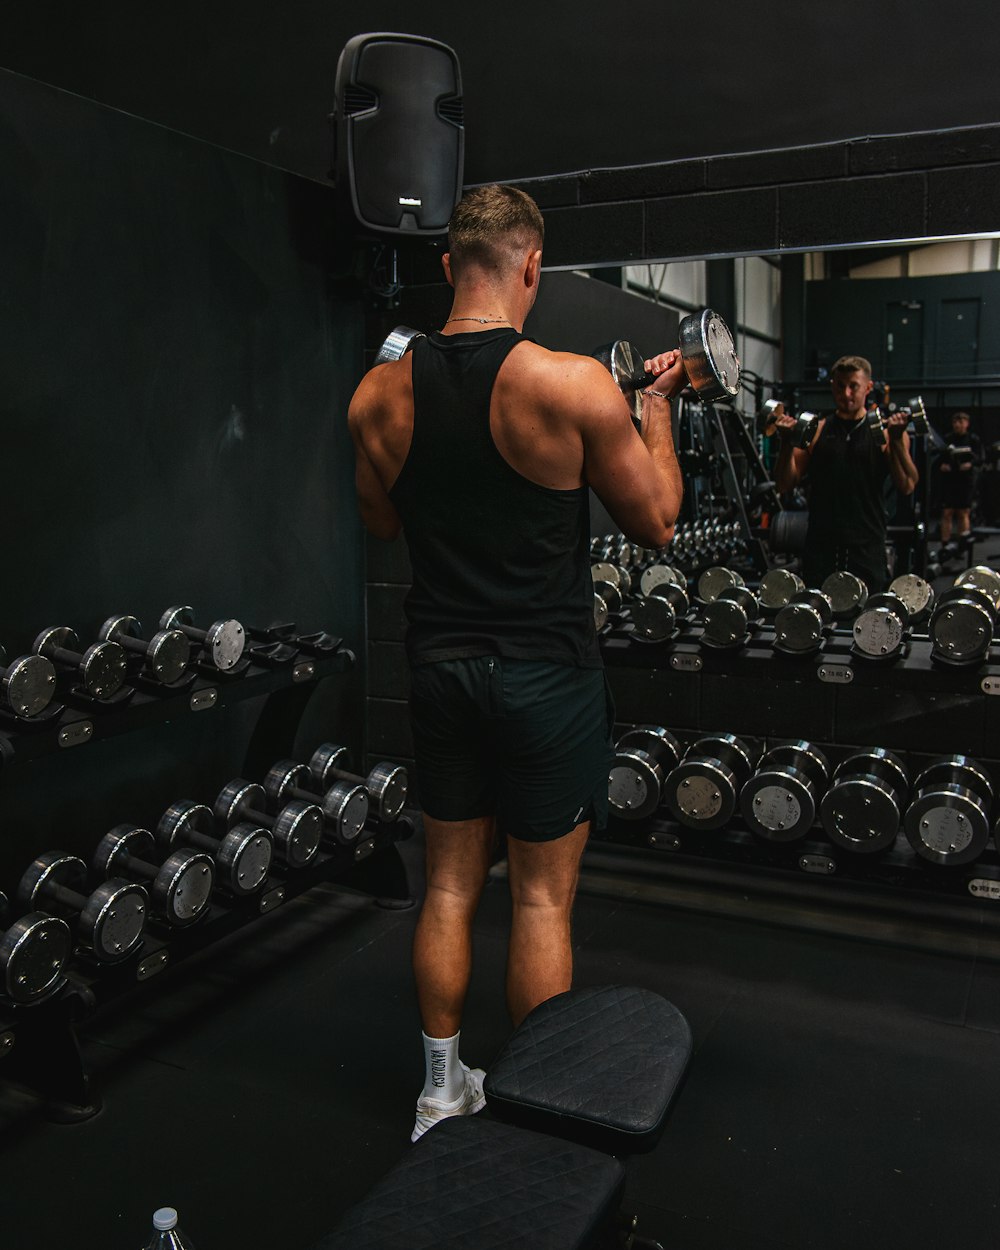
x: 471, y: 1100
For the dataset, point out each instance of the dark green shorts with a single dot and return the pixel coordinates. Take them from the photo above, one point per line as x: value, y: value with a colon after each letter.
x: 525, y: 740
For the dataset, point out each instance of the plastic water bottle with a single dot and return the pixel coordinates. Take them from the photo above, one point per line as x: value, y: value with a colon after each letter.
x: 167, y: 1235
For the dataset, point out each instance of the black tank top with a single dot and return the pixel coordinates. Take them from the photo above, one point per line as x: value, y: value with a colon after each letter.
x: 501, y: 566
x: 847, y: 473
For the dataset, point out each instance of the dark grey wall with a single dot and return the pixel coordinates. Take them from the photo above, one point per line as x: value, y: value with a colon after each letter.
x: 176, y: 370
x: 549, y: 88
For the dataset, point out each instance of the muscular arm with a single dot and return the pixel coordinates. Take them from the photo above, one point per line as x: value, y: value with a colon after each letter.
x: 901, y: 467
x: 637, y: 478
x: 792, y: 463
x: 378, y: 513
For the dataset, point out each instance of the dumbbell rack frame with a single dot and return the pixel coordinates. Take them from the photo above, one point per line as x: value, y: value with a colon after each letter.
x: 39, y: 1048
x: 842, y: 704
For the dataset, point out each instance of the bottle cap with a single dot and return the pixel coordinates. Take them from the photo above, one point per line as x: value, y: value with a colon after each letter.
x: 164, y: 1218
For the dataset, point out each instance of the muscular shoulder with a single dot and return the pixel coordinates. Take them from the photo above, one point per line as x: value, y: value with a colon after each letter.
x: 563, y: 383
x: 380, y: 392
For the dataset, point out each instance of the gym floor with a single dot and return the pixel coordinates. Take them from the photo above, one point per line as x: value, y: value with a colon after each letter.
x: 842, y: 1091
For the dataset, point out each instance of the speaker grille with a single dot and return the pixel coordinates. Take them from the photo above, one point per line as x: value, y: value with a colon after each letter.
x: 358, y: 99
x: 452, y: 109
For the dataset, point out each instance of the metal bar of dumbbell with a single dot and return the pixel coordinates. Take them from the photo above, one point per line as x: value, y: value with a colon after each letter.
x: 242, y: 855
x: 387, y: 784
x: 344, y: 805
x: 297, y: 829
x: 180, y: 885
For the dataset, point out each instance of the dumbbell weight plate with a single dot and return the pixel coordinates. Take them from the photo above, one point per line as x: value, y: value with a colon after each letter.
x: 983, y: 578
x: 703, y: 790
x: 917, y: 594
x: 600, y: 613
x: 660, y: 575
x: 29, y: 685
x: 611, y: 595
x: 33, y: 953
x: 653, y: 619
x: 710, y: 359
x: 225, y: 641
x: 397, y: 343
x: 861, y: 813
x: 880, y: 628
x: 961, y: 626
x: 643, y: 758
x: 847, y: 593
x: 958, y: 770
x: 714, y: 580
x: 113, y: 916
x: 625, y: 365
x: 244, y: 858
x: 180, y: 891
x: 947, y: 825
x: 799, y: 626
x: 778, y: 587
x: 728, y: 618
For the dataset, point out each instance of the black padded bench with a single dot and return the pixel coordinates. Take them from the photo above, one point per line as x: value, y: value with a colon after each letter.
x: 599, y: 1067
x: 472, y: 1184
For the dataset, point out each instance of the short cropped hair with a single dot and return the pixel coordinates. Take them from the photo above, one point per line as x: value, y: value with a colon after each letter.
x: 964, y: 416
x: 492, y: 227
x: 852, y: 364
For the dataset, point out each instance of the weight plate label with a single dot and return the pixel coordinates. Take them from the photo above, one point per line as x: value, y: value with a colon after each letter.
x: 201, y: 700
x: 699, y: 798
x: 271, y: 899
x: 665, y: 841
x: 990, y: 685
x: 817, y: 864
x: 982, y: 887
x: 945, y: 830
x: 837, y: 674
x: 76, y: 734
x: 151, y: 965
x: 776, y: 808
x: 304, y: 671
x: 686, y: 663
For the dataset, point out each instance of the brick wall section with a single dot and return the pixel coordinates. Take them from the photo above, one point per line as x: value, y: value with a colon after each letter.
x: 857, y: 191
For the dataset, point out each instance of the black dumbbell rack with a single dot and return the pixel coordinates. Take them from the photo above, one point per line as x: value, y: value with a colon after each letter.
x: 919, y: 709
x: 38, y: 1041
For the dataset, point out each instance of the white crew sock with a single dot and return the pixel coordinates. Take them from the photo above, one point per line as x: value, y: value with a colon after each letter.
x: 444, y: 1077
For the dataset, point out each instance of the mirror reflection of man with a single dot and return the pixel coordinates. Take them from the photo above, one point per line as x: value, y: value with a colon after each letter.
x: 844, y: 468
x: 960, y: 456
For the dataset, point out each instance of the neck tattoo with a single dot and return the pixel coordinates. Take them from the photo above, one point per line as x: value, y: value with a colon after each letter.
x: 483, y: 321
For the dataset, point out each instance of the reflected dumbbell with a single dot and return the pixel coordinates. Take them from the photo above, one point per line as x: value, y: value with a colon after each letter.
x: 164, y: 658
x: 34, y: 952
x: 777, y: 589
x: 344, y: 805
x: 729, y: 617
x: 964, y: 619
x: 779, y: 801
x: 242, y: 856
x: 180, y: 886
x: 800, y: 626
x: 297, y: 829
x: 917, y: 594
x: 948, y: 821
x: 863, y: 808
x: 100, y: 670
x: 644, y: 758
x: 387, y: 784
x: 703, y: 790
x: 27, y: 684
x: 222, y: 643
x: 109, y: 921
x: 847, y: 594
x: 880, y: 630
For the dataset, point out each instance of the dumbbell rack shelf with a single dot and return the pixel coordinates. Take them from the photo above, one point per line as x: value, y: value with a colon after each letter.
x: 77, y: 726
x: 912, y: 706
x: 39, y: 1048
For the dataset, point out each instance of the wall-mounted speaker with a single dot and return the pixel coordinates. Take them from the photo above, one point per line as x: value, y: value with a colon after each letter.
x: 399, y: 132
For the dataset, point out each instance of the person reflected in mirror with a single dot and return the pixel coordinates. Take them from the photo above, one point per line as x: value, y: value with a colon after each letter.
x: 843, y: 470
x: 957, y: 462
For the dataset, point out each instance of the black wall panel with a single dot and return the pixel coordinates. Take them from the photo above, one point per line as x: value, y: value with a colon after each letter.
x: 549, y: 89
x: 176, y: 371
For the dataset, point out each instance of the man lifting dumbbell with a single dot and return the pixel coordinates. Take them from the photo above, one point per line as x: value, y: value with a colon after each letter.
x: 846, y: 463
x: 480, y: 445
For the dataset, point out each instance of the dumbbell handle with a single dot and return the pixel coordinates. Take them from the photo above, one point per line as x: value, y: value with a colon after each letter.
x: 255, y: 816
x: 63, y: 894
x: 194, y: 837
x: 138, y: 867
x: 190, y: 631
x: 136, y: 645
x: 65, y: 656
